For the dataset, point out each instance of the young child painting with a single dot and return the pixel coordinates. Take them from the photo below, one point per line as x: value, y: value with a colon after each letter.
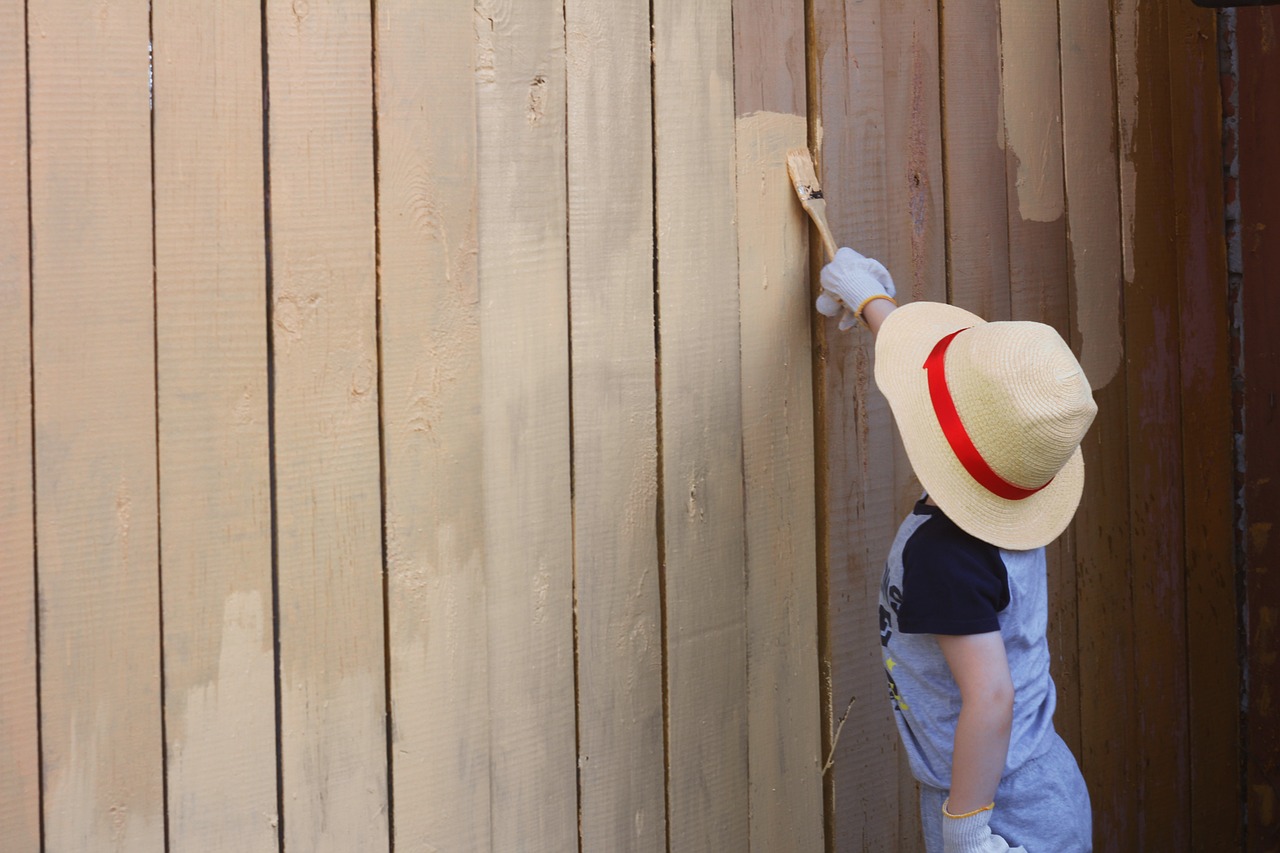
x: 991, y: 416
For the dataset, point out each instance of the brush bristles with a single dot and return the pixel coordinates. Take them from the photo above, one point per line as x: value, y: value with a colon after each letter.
x: 803, y: 175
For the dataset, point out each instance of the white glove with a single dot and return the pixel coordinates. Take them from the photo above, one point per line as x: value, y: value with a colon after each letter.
x: 849, y: 283
x: 970, y: 834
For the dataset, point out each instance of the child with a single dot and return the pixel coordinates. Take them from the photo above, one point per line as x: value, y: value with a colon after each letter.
x: 991, y: 415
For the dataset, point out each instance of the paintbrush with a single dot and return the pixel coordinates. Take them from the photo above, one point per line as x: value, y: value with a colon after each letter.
x: 805, y: 179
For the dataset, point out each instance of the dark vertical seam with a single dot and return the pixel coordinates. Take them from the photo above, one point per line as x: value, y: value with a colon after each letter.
x: 269, y: 281
x: 155, y: 388
x: 387, y: 717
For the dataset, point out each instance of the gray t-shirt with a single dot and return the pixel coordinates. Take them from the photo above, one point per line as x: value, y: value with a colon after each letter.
x: 941, y: 580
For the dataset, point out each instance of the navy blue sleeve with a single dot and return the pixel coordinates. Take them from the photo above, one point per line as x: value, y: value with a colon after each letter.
x: 952, y: 583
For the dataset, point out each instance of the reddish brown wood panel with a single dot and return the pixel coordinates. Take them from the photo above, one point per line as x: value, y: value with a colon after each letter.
x: 1157, y: 565
x: 1213, y: 670
x: 1260, y: 224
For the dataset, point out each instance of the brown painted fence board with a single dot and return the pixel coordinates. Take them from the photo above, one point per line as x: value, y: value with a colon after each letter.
x: 622, y: 784
x: 783, y: 733
x: 95, y: 428
x: 325, y: 364
x: 215, y: 503
x: 701, y: 426
x: 525, y: 411
x: 431, y: 391
x: 19, y: 722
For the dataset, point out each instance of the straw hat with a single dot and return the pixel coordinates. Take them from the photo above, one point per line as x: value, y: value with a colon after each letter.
x: 991, y: 415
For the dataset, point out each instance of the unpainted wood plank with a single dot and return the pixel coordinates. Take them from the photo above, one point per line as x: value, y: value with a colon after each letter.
x: 878, y: 98
x: 1105, y: 641
x: 431, y: 393
x: 215, y: 506
x: 701, y: 426
x: 973, y: 126
x: 1033, y: 146
x: 1157, y: 562
x: 94, y: 398
x: 849, y: 109
x: 1213, y: 670
x: 783, y: 713
x: 19, y: 723
x: 622, y: 776
x: 1259, y: 137
x: 525, y: 411
x: 325, y: 364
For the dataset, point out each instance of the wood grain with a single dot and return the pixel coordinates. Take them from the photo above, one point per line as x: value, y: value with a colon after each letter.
x: 326, y: 463
x: 19, y: 720
x: 1157, y: 561
x: 431, y: 392
x: 783, y: 714
x: 701, y: 426
x: 615, y: 463
x: 95, y: 416
x: 525, y: 412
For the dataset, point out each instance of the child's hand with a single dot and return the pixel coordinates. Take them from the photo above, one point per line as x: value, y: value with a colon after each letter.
x: 849, y: 283
x: 970, y: 834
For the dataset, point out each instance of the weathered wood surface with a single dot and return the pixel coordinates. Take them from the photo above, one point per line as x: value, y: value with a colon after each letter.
x: 524, y: 316
x: 1259, y: 135
x: 700, y: 424
x: 437, y: 625
x: 615, y: 456
x: 215, y: 497
x: 95, y: 416
x: 19, y: 722
x: 783, y: 724
x: 326, y: 442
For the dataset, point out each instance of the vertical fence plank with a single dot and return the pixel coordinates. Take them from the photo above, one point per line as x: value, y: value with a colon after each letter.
x: 1033, y: 143
x: 20, y: 783
x: 977, y: 205
x: 701, y: 427
x: 525, y: 410
x: 1213, y: 670
x: 1108, y: 709
x: 430, y: 332
x: 615, y: 464
x: 1259, y: 134
x: 94, y: 385
x: 1154, y: 451
x: 849, y: 103
x: 213, y: 441
x: 783, y: 715
x: 325, y: 363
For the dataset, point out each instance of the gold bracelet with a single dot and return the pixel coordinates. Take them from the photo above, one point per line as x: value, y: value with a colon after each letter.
x: 868, y: 301
x: 946, y: 813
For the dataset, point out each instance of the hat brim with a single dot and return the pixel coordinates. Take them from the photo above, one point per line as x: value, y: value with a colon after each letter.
x: 903, y: 343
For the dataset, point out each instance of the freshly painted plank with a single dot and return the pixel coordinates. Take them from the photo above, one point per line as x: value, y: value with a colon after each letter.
x: 1105, y: 641
x: 19, y: 738
x: 215, y: 505
x: 528, y: 537
x: 1157, y: 562
x: 783, y: 713
x: 325, y: 365
x: 977, y: 205
x: 1033, y: 147
x: 1213, y: 669
x: 430, y: 332
x: 1259, y: 137
x: 615, y: 462
x: 94, y: 397
x: 701, y: 426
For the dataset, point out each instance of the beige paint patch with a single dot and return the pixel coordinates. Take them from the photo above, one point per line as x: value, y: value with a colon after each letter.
x: 1033, y: 124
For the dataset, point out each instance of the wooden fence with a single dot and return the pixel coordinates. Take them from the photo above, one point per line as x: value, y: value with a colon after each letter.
x: 416, y: 435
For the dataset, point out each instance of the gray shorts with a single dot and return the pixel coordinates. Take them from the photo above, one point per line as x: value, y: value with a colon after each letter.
x: 1042, y: 806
